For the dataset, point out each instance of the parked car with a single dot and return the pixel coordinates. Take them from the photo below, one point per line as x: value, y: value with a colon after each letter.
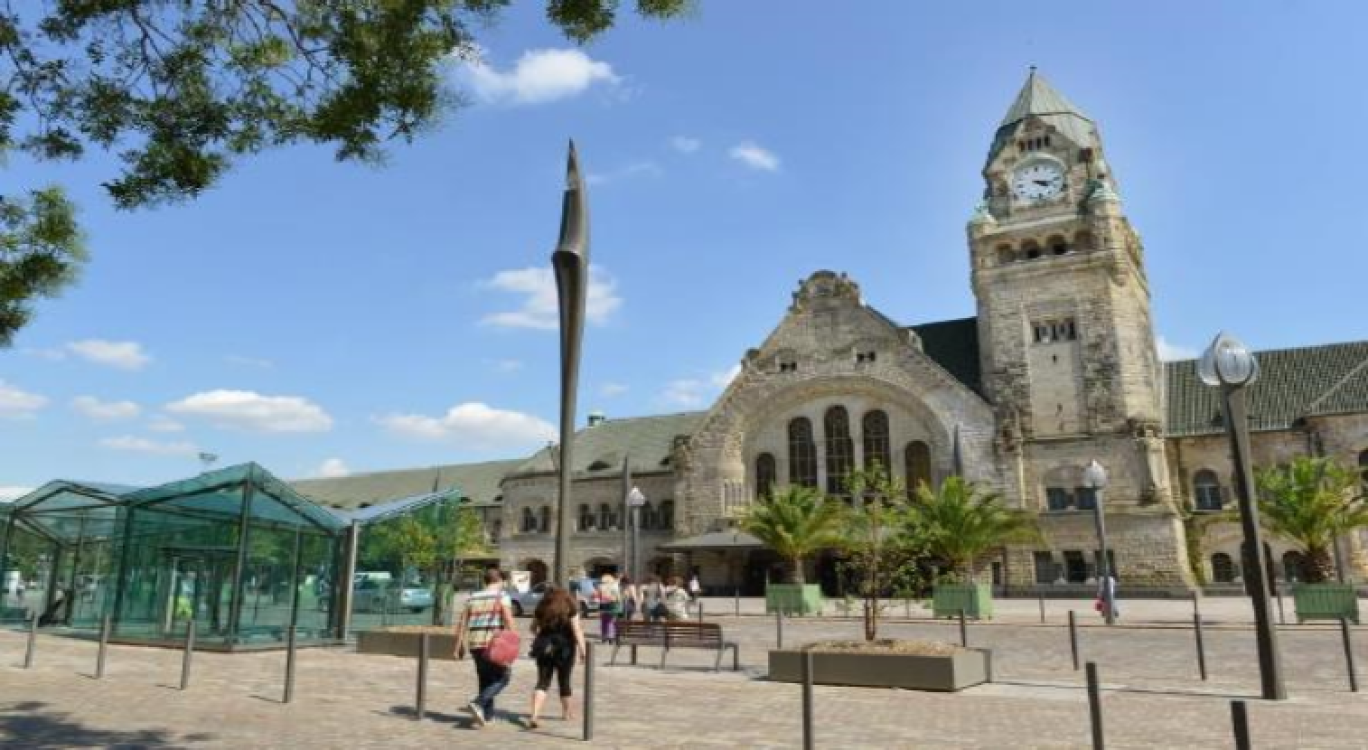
x: 376, y: 595
x: 525, y: 602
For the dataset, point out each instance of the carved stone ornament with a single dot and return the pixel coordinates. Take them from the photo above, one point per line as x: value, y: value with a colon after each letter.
x: 823, y: 286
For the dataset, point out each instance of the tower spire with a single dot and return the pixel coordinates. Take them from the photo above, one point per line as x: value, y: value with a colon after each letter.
x: 1038, y: 97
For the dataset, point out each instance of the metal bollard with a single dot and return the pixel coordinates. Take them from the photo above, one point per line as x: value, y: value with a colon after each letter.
x: 104, y: 647
x: 700, y: 610
x: 1041, y: 597
x: 189, y: 653
x: 588, y: 691
x: 779, y: 629
x: 807, y: 700
x: 1349, y: 655
x: 1201, y: 646
x: 1073, y: 638
x: 964, y: 629
x: 1095, y: 707
x: 1196, y: 605
x: 1239, y: 717
x: 420, y: 702
x: 290, y: 666
x: 32, y: 641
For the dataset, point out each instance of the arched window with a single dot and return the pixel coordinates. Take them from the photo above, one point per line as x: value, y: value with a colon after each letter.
x: 529, y: 521
x: 586, y: 518
x: 1206, y: 490
x: 802, y: 453
x: 840, y: 449
x: 1293, y: 563
x: 605, y: 521
x: 875, y: 437
x: 496, y: 530
x: 764, y: 474
x: 647, y: 519
x: 917, y: 460
x: 545, y: 522
x: 1222, y: 568
x: 666, y: 519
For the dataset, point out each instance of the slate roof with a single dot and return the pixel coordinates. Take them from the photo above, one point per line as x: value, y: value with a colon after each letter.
x: 1293, y: 383
x: 477, y: 481
x: 599, y: 449
x: 954, y: 345
x: 1039, y: 99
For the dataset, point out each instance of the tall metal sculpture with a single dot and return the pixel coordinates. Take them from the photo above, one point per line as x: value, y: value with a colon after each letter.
x: 571, y: 264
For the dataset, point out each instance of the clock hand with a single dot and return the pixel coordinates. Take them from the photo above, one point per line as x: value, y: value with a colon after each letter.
x: 1043, y: 183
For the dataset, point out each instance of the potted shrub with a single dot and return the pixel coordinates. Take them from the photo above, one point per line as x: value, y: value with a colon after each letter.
x: 959, y: 523
x: 1313, y: 502
x: 796, y: 522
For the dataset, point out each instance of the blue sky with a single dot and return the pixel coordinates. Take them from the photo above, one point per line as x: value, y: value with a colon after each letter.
x: 321, y: 317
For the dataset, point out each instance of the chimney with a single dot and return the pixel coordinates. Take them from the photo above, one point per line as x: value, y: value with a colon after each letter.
x: 596, y: 418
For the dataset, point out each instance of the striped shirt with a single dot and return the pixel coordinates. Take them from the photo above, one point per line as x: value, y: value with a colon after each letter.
x: 484, y: 617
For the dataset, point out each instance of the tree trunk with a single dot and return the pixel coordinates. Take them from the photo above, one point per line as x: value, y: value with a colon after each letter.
x: 1320, y: 565
x: 796, y: 574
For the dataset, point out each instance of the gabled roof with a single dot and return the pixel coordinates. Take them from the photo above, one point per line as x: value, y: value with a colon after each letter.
x: 954, y: 345
x: 599, y: 449
x: 1293, y: 383
x: 479, y: 482
x: 1038, y: 98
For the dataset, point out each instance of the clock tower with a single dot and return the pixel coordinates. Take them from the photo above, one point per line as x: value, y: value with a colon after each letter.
x: 1066, y: 343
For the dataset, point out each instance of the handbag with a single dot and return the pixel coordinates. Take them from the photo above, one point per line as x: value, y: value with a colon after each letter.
x: 503, y: 648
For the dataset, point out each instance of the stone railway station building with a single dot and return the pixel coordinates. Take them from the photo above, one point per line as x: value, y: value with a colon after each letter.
x: 1058, y: 367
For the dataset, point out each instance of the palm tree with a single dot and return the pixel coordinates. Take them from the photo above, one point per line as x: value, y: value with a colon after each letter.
x: 795, y: 522
x: 1312, y: 502
x: 959, y: 522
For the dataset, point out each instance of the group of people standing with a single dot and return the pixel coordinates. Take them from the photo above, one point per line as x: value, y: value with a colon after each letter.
x: 558, y: 640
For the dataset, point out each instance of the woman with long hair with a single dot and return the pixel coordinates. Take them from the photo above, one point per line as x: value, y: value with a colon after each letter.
x: 559, y: 641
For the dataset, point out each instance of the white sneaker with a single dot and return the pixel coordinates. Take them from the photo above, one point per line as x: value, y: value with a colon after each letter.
x: 477, y: 713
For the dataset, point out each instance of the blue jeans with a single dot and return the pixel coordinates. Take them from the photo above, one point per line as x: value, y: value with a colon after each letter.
x: 493, y: 679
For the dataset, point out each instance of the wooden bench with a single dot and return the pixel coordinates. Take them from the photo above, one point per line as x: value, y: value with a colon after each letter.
x: 678, y: 634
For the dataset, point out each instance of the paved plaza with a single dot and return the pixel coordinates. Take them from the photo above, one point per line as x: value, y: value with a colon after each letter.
x: 1152, y: 694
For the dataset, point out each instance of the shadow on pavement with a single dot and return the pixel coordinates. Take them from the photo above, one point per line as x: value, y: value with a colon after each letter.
x: 34, y: 726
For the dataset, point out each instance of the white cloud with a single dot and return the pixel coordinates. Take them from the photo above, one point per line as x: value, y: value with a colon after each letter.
x: 539, y: 76
x: 105, y: 411
x: 122, y: 355
x: 1171, y: 352
x: 163, y: 423
x: 609, y: 390
x: 694, y: 393
x: 685, y: 145
x: 755, y: 156
x: 506, y: 365
x: 636, y: 169
x: 333, y: 468
x: 253, y: 412
x: 539, y: 308
x: 16, y: 403
x: 256, y: 362
x: 8, y: 494
x: 724, y: 378
x: 133, y: 444
x: 475, y: 425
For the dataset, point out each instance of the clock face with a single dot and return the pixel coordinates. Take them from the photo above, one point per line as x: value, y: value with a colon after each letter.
x: 1038, y: 181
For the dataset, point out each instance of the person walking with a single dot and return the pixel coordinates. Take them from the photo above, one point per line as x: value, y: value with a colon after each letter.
x: 486, y: 613
x: 558, y: 643
x: 695, y: 588
x: 676, y: 599
x: 609, y: 596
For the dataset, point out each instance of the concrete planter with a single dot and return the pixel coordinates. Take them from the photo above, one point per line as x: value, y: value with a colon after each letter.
x: 957, y: 671
x: 976, y: 599
x: 405, y: 643
x: 793, y: 598
x: 1325, y: 601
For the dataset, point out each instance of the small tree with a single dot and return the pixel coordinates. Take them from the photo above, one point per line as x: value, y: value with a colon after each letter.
x: 879, y: 544
x: 1312, y: 502
x: 796, y: 522
x: 958, y: 523
x: 433, y: 541
x: 459, y: 539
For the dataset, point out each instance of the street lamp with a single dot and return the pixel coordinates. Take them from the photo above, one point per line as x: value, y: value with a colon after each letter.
x: 635, y: 499
x: 570, y: 261
x: 1229, y: 365
x: 1095, y: 476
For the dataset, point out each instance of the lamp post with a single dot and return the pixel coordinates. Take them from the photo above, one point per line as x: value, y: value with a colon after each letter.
x: 1096, y: 477
x: 1230, y: 365
x: 635, y: 499
x: 570, y: 261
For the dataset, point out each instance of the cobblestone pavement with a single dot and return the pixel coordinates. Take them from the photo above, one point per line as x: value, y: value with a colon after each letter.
x: 1152, y: 696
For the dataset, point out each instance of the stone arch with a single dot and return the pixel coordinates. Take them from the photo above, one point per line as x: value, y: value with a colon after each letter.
x: 1222, y: 568
x: 537, y: 569
x: 597, y: 566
